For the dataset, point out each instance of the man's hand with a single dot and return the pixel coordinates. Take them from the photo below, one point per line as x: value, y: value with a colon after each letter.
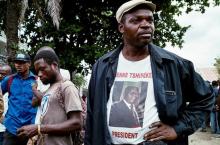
x: 27, y: 131
x: 35, y: 102
x: 160, y: 131
x: 37, y: 95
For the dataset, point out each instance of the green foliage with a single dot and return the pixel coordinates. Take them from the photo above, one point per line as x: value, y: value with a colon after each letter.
x: 88, y: 29
x: 217, y: 65
x: 79, y: 80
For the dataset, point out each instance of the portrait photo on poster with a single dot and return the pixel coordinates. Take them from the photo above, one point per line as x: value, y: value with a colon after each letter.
x: 128, y: 103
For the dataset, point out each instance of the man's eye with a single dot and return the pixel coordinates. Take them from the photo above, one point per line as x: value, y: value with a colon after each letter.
x: 135, y: 20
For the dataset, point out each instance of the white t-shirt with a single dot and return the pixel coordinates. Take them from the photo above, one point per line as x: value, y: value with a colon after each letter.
x: 131, y: 108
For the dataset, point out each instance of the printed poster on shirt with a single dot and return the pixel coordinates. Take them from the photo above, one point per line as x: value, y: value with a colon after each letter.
x: 131, y: 107
x: 127, y: 109
x: 44, y: 104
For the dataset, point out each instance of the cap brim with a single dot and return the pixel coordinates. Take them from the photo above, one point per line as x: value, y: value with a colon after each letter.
x: 130, y: 5
x: 21, y: 60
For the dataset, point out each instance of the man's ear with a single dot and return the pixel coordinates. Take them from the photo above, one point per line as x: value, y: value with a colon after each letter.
x: 121, y: 27
x: 54, y: 65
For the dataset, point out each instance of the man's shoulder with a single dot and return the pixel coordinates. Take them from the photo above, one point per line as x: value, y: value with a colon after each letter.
x: 68, y: 84
x: 102, y: 62
x: 7, y: 78
x: 108, y: 55
x: 165, y: 54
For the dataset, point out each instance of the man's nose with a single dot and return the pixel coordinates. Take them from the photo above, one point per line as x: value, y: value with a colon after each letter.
x: 39, y: 74
x: 145, y: 23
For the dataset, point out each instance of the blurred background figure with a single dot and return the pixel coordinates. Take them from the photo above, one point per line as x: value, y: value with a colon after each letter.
x: 5, y: 70
x: 20, y: 110
x: 215, y: 112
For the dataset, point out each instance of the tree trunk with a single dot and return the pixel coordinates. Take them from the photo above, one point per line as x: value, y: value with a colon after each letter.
x: 12, y: 16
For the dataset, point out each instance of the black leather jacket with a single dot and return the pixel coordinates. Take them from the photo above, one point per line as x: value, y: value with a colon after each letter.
x: 182, y: 96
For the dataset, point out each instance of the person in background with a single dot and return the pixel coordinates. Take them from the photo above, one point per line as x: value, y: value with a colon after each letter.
x: 60, y: 106
x: 218, y: 101
x: 42, y: 88
x: 206, y: 123
x: 175, y: 96
x: 20, y: 110
x: 5, y: 70
x: 215, y: 112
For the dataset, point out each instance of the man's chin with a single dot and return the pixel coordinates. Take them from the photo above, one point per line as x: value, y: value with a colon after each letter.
x: 147, y: 41
x: 144, y: 43
x: 45, y: 82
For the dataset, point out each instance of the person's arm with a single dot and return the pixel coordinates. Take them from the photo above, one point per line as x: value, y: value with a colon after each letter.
x: 4, y: 85
x: 89, y: 115
x: 200, y: 96
x: 37, y: 95
x: 72, y: 124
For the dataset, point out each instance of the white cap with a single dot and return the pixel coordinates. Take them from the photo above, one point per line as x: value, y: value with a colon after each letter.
x: 130, y: 5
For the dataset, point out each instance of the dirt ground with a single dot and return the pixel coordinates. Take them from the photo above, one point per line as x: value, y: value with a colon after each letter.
x: 204, y: 138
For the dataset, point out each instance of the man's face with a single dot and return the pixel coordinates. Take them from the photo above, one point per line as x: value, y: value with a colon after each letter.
x: 22, y: 66
x: 45, y: 72
x: 132, y: 96
x: 137, y: 27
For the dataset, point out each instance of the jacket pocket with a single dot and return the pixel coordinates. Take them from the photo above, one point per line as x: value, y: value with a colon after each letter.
x: 171, y: 104
x: 170, y: 96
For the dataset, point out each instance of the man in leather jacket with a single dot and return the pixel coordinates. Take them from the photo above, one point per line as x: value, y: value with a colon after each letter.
x: 174, y: 98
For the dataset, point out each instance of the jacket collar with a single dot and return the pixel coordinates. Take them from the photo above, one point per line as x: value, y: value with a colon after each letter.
x: 158, y: 53
x: 113, y: 55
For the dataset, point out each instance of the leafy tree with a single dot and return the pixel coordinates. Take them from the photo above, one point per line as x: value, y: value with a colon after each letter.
x: 79, y: 80
x: 89, y: 29
x: 11, y: 27
x: 14, y: 15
